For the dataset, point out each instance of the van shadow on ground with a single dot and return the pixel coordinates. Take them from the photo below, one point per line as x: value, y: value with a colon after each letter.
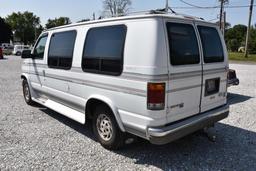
x: 237, y: 98
x: 234, y: 149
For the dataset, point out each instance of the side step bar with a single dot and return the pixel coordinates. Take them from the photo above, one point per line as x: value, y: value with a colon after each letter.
x: 62, y: 109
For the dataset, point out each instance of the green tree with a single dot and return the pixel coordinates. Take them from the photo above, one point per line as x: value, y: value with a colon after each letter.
x: 24, y: 26
x: 57, y: 22
x: 233, y: 45
x: 252, y: 41
x: 5, y: 31
x: 235, y: 36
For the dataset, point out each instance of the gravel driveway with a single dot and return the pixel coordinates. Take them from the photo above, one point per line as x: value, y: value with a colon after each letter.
x: 36, y: 138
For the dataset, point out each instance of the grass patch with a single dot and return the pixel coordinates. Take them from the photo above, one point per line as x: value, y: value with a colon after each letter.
x: 234, y: 56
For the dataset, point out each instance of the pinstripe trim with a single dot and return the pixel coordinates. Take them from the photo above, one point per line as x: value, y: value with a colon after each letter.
x: 144, y: 77
x: 149, y: 78
x: 124, y: 75
x: 184, y: 88
x: 110, y: 87
x: 214, y: 71
x: 185, y: 75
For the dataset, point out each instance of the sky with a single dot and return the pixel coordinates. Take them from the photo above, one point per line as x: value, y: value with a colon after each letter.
x: 81, y: 9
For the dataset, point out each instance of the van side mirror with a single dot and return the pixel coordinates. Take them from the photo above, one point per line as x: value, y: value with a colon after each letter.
x: 26, y: 54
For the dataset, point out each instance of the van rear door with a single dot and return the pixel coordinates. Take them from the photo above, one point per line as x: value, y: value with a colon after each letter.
x: 185, y: 70
x: 215, y: 66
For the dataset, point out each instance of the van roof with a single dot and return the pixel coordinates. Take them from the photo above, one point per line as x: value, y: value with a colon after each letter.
x: 129, y: 17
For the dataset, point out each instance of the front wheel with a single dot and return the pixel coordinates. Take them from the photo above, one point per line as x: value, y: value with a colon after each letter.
x: 18, y: 53
x: 106, y: 129
x: 26, y: 92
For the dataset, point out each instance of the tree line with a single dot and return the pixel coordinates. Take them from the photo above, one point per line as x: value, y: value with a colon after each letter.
x: 26, y: 27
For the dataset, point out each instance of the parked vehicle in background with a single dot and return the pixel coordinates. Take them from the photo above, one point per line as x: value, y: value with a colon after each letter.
x: 160, y: 83
x: 1, y: 53
x: 8, y: 50
x: 18, y: 49
x: 232, y: 78
x: 4, y: 45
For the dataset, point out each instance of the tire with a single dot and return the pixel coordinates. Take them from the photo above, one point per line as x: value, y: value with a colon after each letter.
x: 26, y: 93
x: 106, y: 129
x: 18, y: 53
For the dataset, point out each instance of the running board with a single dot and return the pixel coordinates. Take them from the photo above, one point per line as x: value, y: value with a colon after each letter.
x: 64, y: 110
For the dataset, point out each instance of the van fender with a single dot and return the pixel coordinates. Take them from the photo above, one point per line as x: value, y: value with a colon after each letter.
x: 112, y: 106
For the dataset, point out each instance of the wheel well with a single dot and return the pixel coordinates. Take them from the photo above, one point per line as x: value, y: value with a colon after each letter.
x: 23, y: 77
x: 91, y: 106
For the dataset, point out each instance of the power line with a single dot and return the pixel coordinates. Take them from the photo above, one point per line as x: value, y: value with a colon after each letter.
x: 229, y: 6
x: 196, y: 6
x: 192, y: 6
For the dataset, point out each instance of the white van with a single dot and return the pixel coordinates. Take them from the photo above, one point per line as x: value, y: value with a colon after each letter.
x: 157, y: 76
x: 18, y: 49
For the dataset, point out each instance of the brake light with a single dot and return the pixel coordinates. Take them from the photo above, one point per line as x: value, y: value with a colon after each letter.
x: 156, y: 96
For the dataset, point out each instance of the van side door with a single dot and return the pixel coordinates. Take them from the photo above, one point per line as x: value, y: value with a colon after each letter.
x: 59, y: 63
x: 215, y: 67
x: 38, y: 64
x: 185, y: 70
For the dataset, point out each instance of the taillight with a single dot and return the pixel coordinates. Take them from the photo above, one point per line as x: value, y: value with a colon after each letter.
x: 156, y: 96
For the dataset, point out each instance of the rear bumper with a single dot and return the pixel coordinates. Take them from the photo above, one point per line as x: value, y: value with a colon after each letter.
x: 234, y: 81
x: 174, y: 131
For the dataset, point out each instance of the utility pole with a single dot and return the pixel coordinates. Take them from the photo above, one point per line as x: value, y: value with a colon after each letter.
x: 167, y: 6
x: 224, y: 23
x: 248, y: 30
x: 221, y: 13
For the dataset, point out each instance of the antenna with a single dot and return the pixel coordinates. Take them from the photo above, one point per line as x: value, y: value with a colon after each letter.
x: 167, y: 6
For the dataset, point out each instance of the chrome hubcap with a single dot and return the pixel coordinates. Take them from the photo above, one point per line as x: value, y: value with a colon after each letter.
x: 104, y: 127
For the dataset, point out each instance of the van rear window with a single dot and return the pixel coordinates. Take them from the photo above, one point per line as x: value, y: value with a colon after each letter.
x: 183, y: 44
x: 212, y: 46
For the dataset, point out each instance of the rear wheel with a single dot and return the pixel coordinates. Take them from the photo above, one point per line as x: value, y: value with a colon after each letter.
x: 106, y: 129
x: 26, y: 93
x: 18, y: 53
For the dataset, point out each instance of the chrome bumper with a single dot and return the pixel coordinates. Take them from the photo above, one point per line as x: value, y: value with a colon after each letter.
x: 234, y: 82
x: 176, y: 130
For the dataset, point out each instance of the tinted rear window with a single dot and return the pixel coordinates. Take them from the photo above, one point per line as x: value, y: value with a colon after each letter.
x: 61, y: 50
x: 183, y: 44
x: 212, y: 46
x: 103, y: 50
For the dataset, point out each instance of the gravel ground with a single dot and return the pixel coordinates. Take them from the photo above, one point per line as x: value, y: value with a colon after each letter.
x: 36, y: 138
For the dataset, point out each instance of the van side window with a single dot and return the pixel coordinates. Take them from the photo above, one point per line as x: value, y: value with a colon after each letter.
x: 183, y: 44
x: 61, y: 50
x: 40, y: 47
x: 103, y: 50
x: 212, y: 46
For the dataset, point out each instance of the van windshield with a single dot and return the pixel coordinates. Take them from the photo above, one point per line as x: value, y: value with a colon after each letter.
x: 212, y: 46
